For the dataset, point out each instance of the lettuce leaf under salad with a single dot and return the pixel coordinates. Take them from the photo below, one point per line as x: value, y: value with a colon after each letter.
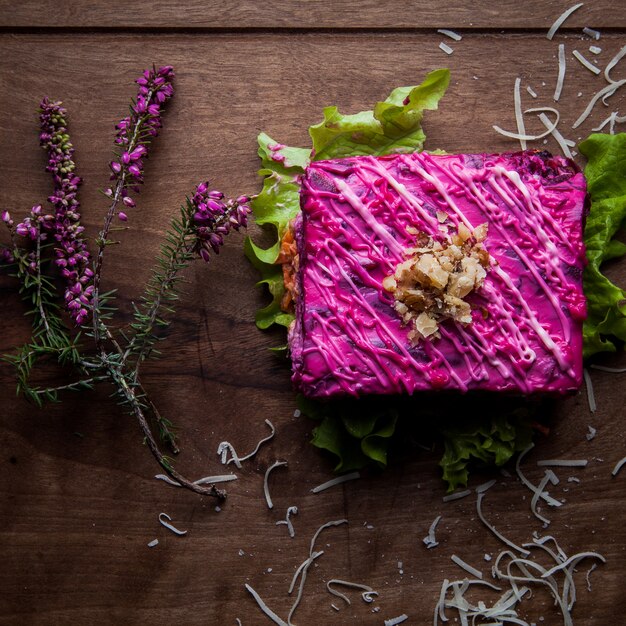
x: 360, y: 434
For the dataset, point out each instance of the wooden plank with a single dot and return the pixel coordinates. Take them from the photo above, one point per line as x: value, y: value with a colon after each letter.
x: 371, y: 14
x: 78, y: 502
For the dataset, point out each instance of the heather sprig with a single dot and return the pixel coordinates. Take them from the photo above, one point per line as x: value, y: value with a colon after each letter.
x: 55, y: 238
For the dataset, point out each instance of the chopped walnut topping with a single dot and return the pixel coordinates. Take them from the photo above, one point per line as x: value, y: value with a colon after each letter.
x: 430, y: 286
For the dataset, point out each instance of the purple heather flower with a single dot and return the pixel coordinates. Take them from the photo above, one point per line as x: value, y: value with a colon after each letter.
x: 155, y: 88
x: 214, y: 217
x: 122, y: 216
x: 71, y: 252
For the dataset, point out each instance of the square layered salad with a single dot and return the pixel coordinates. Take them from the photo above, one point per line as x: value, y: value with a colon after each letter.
x: 418, y: 272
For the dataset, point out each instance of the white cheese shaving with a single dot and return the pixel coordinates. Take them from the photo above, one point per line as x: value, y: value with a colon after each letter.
x: 394, y: 621
x: 548, y: 131
x: 154, y: 542
x: 591, y: 399
x: 612, y: 63
x: 297, y: 413
x: 266, y: 487
x: 367, y: 591
x: 291, y: 510
x: 531, y: 91
x: 590, y: 66
x: 562, y: 463
x: 612, y: 370
x: 591, y: 433
x: 201, y: 481
x: 336, y: 481
x: 225, y: 447
x: 324, y: 527
x: 265, y: 608
x: 561, y: 76
x: 563, y: 143
x: 590, y: 32
x: 165, y: 516
x: 457, y: 496
x: 450, y: 33
x: 559, y: 21
x: 589, y: 574
x: 618, y: 466
x: 466, y: 566
x: 446, y: 48
x: 549, y: 476
x: 550, y: 500
x: 572, y: 561
x: 595, y: 49
x: 485, y: 486
x: 519, y: 119
x: 238, y: 621
x: 608, y: 91
x: 429, y: 540
x: 304, y: 569
x: 492, y: 528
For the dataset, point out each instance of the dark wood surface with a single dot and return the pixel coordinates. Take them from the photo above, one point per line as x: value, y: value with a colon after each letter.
x: 78, y: 501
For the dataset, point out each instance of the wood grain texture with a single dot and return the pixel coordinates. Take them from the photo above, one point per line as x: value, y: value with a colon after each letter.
x: 78, y: 503
x: 331, y: 14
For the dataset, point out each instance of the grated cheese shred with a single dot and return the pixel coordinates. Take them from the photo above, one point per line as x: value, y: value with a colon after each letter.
x: 492, y: 528
x: 165, y: 520
x: 264, y: 607
x: 590, y: 32
x: 336, y: 481
x: 519, y: 119
x: 446, y: 48
x: 561, y: 76
x: 429, y: 540
x: 292, y: 510
x: 457, y: 496
x: 561, y: 19
x: 266, y: 487
x: 450, y: 33
x: 618, y: 466
x: 585, y: 63
x: 394, y: 621
x: 604, y: 93
x: 466, y: 566
x: 225, y: 447
x: 562, y: 463
x: 591, y: 398
x: 367, y: 594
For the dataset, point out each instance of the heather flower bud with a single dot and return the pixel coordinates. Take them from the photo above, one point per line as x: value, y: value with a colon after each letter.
x: 122, y: 216
x: 116, y: 167
x: 6, y: 218
x: 128, y: 201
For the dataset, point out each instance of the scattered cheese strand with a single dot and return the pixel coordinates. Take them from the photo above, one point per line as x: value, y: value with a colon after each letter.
x: 336, y: 481
x: 367, y: 591
x: 154, y: 542
x: 519, y: 119
x: 170, y: 526
x: 608, y: 91
x: 561, y: 77
x: 499, y: 535
x: 549, y: 499
x: 618, y: 466
x: 557, y: 135
x: 590, y: 32
x: 201, y: 481
x: 238, y: 621
x: 304, y: 570
x: 590, y: 66
x: 531, y: 91
x: 225, y: 447
x: 457, y: 496
x: 573, y: 561
x: 612, y: 63
x: 559, y: 21
x: 466, y: 566
x: 591, y: 399
x: 291, y: 510
x: 429, y: 540
x: 591, y: 434
x: 548, y: 131
x: 394, y: 621
x: 266, y: 487
x: 450, y: 33
x: 549, y: 476
x: 595, y: 49
x: 324, y: 527
x: 265, y: 608
x: 446, y: 48
x: 485, y: 486
x: 562, y: 463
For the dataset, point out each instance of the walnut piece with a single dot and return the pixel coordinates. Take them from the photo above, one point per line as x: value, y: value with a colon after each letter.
x: 430, y: 286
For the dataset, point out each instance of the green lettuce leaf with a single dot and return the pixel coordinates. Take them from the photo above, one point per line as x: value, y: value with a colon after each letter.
x: 394, y: 125
x: 487, y: 442
x: 605, y: 326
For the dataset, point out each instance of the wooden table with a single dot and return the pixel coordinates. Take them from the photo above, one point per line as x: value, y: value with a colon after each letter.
x: 79, y: 500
